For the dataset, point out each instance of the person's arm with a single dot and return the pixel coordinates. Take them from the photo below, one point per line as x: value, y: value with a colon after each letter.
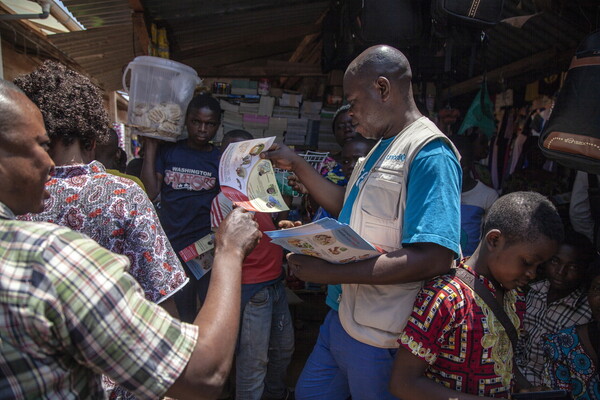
x: 412, y: 263
x: 327, y: 194
x: 218, y: 319
x: 430, y: 229
x: 151, y: 179
x: 580, y: 213
x: 409, y: 382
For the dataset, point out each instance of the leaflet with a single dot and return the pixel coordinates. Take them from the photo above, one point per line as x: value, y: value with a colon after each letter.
x: 199, y: 256
x: 327, y: 239
x: 249, y: 181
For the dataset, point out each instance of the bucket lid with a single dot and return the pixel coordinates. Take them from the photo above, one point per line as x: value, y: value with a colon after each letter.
x: 163, y: 63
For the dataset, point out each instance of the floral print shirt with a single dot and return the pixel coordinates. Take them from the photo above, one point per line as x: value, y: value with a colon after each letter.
x: 332, y: 171
x: 465, y: 345
x: 569, y: 367
x: 117, y: 214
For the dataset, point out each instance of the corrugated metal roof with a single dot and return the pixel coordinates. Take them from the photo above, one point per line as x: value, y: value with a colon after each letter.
x: 228, y: 34
x: 102, y: 52
x: 99, y: 13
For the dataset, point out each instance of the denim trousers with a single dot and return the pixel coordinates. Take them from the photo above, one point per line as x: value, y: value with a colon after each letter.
x: 189, y: 298
x: 340, y: 366
x: 266, y: 345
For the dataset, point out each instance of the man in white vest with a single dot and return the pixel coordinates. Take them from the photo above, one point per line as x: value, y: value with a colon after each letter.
x: 404, y: 197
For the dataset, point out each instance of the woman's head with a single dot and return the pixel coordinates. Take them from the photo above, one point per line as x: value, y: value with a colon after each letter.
x: 70, y: 103
x: 343, y: 129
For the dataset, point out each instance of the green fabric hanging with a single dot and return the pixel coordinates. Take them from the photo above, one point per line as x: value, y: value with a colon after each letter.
x: 480, y: 114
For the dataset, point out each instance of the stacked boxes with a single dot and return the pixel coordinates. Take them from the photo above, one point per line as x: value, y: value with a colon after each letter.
x: 286, y: 115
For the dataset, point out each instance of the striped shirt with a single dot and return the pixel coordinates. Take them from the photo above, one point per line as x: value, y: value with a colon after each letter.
x: 69, y: 312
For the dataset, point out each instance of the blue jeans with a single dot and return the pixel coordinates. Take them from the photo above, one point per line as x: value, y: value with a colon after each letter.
x: 266, y: 345
x: 340, y: 366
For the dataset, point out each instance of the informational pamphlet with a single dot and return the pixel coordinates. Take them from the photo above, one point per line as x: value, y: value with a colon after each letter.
x: 248, y: 180
x: 327, y: 239
x: 199, y: 256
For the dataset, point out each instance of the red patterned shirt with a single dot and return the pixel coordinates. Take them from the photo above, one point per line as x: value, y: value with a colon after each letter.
x: 117, y: 214
x: 466, y: 347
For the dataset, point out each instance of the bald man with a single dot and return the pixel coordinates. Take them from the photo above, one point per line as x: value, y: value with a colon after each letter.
x: 69, y: 311
x: 405, y: 198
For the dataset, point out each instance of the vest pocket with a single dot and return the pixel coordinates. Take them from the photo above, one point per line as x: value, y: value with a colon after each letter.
x: 381, y: 194
x: 380, y: 202
x: 385, y: 307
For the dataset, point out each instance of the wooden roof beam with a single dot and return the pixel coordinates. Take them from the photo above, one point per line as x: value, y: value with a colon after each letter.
x: 520, y: 67
x: 140, y: 30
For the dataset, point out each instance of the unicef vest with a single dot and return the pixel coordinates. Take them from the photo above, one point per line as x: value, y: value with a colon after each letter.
x: 377, y: 314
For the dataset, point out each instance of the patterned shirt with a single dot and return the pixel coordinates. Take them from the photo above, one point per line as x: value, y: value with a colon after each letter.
x: 332, y: 171
x: 117, y: 214
x: 69, y: 312
x: 569, y: 367
x: 466, y: 347
x: 541, y: 319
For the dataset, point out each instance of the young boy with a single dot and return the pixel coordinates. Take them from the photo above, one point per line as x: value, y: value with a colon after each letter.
x: 186, y: 175
x: 354, y: 149
x: 555, y: 303
x: 266, y: 341
x: 453, y: 345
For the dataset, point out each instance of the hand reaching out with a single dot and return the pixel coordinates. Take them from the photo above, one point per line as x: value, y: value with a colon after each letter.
x: 281, y: 156
x: 287, y: 224
x: 238, y: 232
x: 295, y: 184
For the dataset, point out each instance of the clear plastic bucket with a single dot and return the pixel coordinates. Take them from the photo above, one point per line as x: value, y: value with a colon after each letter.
x: 159, y: 93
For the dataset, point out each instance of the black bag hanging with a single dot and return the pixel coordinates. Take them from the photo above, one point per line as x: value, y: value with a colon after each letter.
x: 571, y: 136
x: 398, y: 23
x: 476, y: 14
x: 338, y: 39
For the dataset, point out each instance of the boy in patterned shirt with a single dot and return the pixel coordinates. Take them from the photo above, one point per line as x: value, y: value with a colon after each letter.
x: 453, y: 342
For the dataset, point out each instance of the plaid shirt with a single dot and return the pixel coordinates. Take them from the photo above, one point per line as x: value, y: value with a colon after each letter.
x: 542, y: 318
x: 70, y: 312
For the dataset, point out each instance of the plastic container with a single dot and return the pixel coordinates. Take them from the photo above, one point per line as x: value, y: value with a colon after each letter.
x: 159, y: 93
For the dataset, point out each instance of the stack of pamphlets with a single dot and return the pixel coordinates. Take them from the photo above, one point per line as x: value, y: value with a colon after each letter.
x: 327, y: 239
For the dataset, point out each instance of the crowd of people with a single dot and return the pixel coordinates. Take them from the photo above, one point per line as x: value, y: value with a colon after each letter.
x: 474, y: 294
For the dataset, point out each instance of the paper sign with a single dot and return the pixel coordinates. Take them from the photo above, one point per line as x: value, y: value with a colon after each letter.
x: 199, y: 256
x: 249, y: 181
x: 327, y: 239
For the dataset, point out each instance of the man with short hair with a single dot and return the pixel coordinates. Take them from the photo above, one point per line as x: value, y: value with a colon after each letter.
x: 69, y: 311
x: 405, y: 198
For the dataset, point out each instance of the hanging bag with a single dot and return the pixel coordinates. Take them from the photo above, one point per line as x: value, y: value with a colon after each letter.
x: 477, y: 14
x: 571, y: 136
x: 399, y: 23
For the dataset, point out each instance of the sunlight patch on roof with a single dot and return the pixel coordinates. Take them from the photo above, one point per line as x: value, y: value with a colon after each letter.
x: 48, y: 25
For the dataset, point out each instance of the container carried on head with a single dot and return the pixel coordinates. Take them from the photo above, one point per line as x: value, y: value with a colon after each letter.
x: 159, y: 93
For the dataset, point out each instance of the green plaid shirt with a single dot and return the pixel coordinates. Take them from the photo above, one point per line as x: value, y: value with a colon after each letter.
x: 69, y: 312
